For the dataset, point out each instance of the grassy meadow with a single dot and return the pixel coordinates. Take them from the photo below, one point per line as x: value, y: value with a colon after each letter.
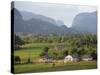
x: 33, y: 52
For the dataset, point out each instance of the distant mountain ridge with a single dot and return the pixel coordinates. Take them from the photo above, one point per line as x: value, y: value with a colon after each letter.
x: 28, y: 15
x: 39, y: 24
x: 36, y: 25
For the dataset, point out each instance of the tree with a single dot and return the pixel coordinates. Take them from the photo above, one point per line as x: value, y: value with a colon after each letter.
x: 45, y: 52
x: 55, y: 55
x: 80, y: 52
x: 28, y: 39
x: 46, y: 49
x: 17, y: 60
x: 62, y: 39
x: 28, y: 60
x: 65, y: 52
x: 94, y: 55
x: 74, y: 50
x: 17, y: 42
x: 42, y: 54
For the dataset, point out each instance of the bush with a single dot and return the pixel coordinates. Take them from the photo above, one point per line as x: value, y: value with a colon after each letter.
x: 17, y: 60
x: 29, y: 60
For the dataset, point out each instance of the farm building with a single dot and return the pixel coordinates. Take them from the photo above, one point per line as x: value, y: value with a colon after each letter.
x: 44, y: 60
x: 73, y: 58
x: 87, y: 58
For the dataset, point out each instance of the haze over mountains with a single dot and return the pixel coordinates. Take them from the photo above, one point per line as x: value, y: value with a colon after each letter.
x: 28, y: 22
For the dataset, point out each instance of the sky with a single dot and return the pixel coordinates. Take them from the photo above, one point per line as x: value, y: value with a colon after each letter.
x: 63, y: 12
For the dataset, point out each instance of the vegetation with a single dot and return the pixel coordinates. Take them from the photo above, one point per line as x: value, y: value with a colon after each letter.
x: 30, y: 48
x: 17, y: 60
x: 45, y: 67
x: 17, y: 42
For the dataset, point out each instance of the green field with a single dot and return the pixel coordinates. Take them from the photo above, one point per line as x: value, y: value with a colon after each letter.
x: 46, y: 67
x: 33, y: 52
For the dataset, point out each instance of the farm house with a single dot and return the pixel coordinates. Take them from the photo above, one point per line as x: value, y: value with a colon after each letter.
x: 87, y: 58
x: 73, y: 58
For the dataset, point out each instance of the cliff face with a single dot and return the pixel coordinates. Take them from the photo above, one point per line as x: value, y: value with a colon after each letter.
x: 85, y: 22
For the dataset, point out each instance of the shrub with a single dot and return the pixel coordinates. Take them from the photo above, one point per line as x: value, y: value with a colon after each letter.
x: 17, y: 60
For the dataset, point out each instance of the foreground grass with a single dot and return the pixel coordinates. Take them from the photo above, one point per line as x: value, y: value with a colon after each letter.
x: 46, y: 67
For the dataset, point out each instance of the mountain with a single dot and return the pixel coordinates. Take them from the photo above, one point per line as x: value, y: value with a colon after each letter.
x: 30, y: 15
x: 18, y: 20
x: 27, y: 22
x: 60, y: 23
x: 85, y: 22
x: 38, y: 24
x: 26, y: 15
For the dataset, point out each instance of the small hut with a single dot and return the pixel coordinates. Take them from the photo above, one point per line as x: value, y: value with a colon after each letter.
x: 87, y: 58
x: 45, y: 59
x: 73, y: 58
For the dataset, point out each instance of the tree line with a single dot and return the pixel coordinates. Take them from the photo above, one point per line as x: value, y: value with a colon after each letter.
x: 79, y: 44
